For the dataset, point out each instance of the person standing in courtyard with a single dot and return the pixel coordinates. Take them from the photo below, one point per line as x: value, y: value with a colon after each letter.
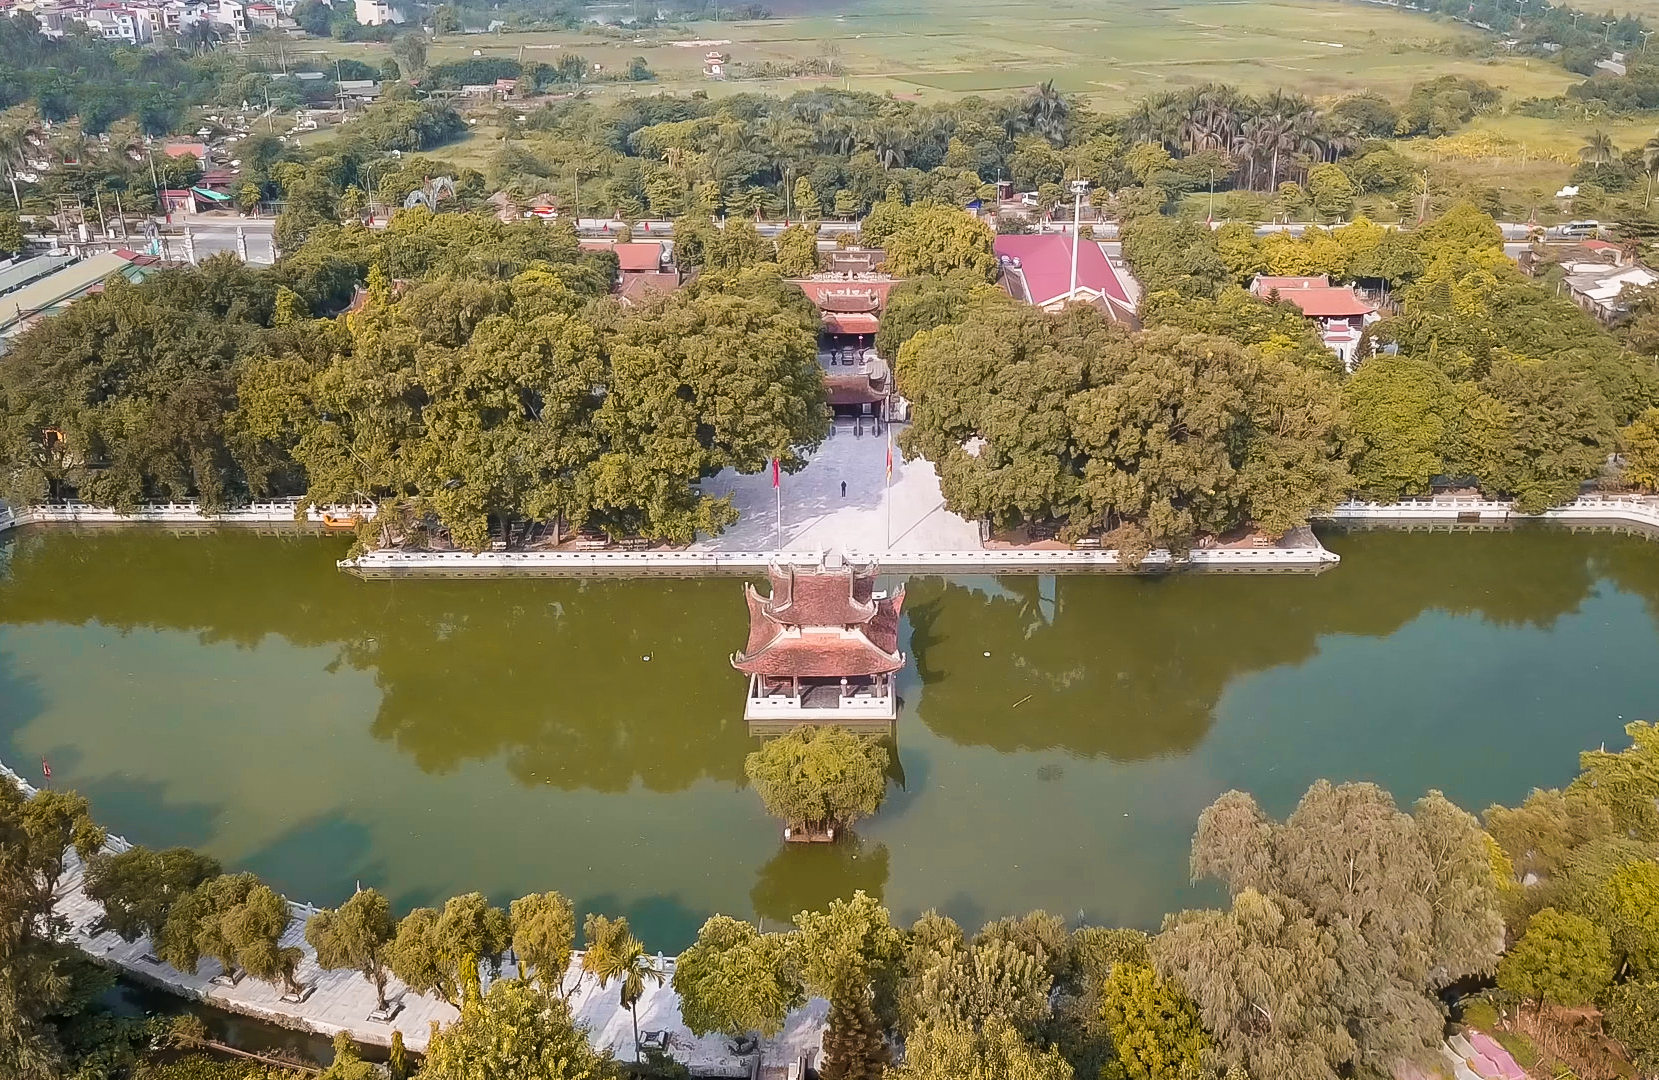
x: 843, y: 489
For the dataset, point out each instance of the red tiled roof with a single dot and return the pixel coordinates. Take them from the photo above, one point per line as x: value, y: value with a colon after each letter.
x: 180, y: 149
x: 851, y: 390
x: 821, y: 623
x: 854, y: 322
x: 642, y: 288
x: 847, y: 295
x: 1045, y: 263
x: 1329, y: 302
x: 839, y: 597
x: 639, y: 255
x: 819, y: 655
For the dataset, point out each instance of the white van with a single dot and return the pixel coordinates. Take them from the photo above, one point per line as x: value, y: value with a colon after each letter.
x: 1579, y: 230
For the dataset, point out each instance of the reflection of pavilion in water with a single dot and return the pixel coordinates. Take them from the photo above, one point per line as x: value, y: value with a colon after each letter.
x: 823, y: 648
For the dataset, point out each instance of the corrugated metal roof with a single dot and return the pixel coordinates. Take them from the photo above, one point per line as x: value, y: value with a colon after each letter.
x: 54, y: 289
x: 21, y: 273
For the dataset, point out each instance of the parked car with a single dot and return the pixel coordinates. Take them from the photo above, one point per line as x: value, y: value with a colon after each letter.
x: 1579, y: 230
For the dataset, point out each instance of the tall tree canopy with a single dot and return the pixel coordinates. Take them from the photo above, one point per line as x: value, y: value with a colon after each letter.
x: 1156, y: 438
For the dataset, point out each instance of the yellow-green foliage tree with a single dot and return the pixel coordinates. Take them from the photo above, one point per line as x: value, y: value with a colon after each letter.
x: 819, y: 777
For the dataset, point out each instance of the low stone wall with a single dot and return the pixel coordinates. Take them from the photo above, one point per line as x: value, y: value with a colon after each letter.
x: 1639, y: 510
x: 387, y: 564
x: 275, y: 512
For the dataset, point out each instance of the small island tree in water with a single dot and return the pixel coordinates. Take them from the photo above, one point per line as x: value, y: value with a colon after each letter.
x: 818, y: 779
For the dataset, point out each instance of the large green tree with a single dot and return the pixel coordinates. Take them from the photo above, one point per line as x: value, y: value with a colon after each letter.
x: 1261, y: 961
x: 1153, y: 438
x: 514, y: 1030
x: 996, y: 1053
x: 939, y: 240
x: 544, y: 935
x: 137, y: 888
x: 736, y: 980
x: 1562, y: 959
x: 1397, y: 422
x: 35, y: 976
x: 819, y: 777
x: 356, y: 935
x: 440, y: 951
x: 1410, y: 900
x: 1155, y: 1029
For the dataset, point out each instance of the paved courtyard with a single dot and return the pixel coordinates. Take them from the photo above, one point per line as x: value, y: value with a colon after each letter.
x: 816, y: 517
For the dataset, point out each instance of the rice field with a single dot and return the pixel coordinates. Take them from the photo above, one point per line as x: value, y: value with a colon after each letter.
x: 1103, y: 50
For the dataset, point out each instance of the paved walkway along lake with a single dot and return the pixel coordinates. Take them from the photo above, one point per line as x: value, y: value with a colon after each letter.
x: 343, y: 1000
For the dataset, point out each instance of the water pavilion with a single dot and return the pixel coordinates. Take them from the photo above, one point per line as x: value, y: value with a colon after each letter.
x: 823, y: 648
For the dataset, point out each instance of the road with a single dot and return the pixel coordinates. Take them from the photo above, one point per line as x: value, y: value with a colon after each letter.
x: 210, y: 234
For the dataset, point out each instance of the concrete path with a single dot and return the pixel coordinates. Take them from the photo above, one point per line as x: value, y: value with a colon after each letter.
x: 817, y: 517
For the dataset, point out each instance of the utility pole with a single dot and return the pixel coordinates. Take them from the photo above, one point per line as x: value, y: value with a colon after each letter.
x: 1645, y: 35
x: 1608, y: 35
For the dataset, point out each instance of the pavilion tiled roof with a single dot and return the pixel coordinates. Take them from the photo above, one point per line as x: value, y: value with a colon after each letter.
x: 847, y: 294
x: 851, y: 390
x: 819, y: 655
x: 822, y: 623
x: 856, y: 322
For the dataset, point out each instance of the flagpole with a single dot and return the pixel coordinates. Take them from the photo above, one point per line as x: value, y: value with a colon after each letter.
x: 888, y: 489
x: 777, y: 489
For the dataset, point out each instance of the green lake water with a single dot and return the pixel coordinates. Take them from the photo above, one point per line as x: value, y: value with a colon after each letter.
x: 235, y: 692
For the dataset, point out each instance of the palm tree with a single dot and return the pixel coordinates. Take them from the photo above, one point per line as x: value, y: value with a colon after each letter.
x: 1045, y: 112
x: 1650, y: 164
x: 1598, y: 150
x: 14, y: 151
x: 613, y: 952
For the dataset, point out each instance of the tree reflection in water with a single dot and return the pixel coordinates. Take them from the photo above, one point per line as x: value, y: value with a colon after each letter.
x: 524, y: 717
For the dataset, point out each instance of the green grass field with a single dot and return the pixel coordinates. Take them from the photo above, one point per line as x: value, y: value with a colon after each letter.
x: 1107, y: 51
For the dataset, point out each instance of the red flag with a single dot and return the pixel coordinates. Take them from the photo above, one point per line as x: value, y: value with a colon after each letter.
x: 889, y: 463
x: 775, y: 479
x: 46, y: 768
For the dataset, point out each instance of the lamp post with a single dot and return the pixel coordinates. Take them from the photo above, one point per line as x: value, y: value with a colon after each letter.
x: 1078, y: 187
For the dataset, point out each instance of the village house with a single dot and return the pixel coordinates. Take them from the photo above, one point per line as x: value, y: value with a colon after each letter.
x: 645, y: 269
x: 1037, y: 269
x: 372, y: 12
x: 1340, y: 314
x: 1595, y: 275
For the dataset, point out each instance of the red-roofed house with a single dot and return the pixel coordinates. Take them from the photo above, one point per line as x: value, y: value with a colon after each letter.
x: 1036, y: 268
x: 645, y: 270
x: 823, y: 646
x: 1337, y: 309
x: 186, y: 149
